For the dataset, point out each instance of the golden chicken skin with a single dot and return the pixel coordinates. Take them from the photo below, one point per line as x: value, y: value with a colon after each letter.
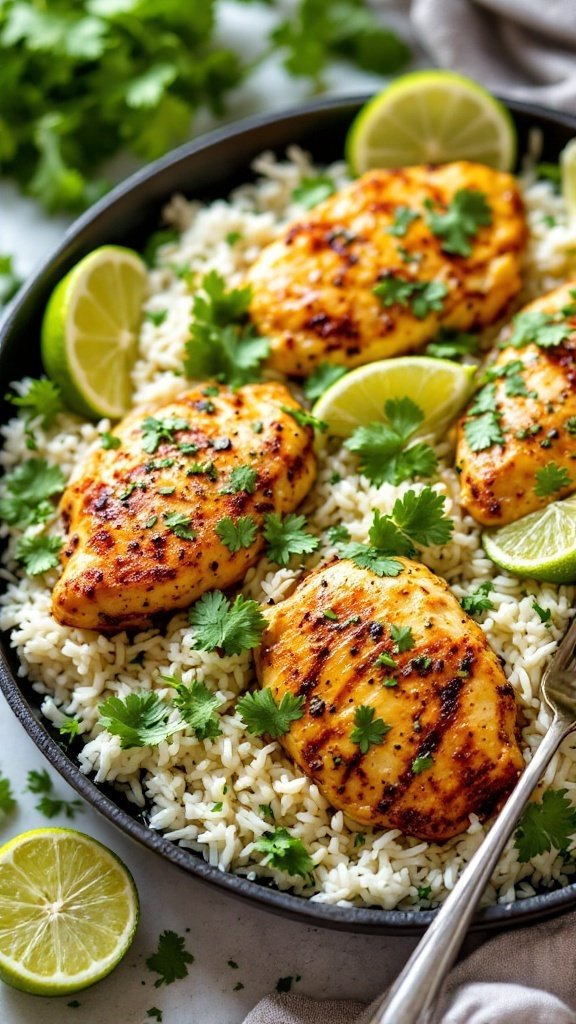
x: 177, y: 508
x: 377, y: 268
x: 516, y: 447
x: 408, y: 720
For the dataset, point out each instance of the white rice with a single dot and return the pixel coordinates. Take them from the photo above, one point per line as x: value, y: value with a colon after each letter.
x: 206, y: 795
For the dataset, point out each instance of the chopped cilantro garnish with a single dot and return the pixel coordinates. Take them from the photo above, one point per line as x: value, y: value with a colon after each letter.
x: 285, y: 852
x: 233, y: 236
x: 422, y: 763
x: 154, y: 432
x: 38, y: 782
x: 237, y: 535
x: 7, y: 799
x: 41, y: 399
x: 544, y: 614
x: 402, y: 638
x: 304, y: 419
x: 359, y: 839
x: 543, y: 329
x: 29, y: 487
x: 483, y: 430
x: 140, y: 719
x: 422, y: 297
x: 69, y: 727
x: 109, y: 441
x: 338, y: 534
x: 285, y: 536
x: 550, y: 479
x: 465, y: 214
x: 329, y: 613
x: 170, y: 959
x: 368, y: 730
x: 403, y: 217
x: 312, y: 191
x: 570, y: 425
x: 179, y: 524
x: 266, y: 811
x: 242, y: 478
x: 41, y: 784
x: 323, y: 377
x: 261, y: 714
x: 477, y: 600
x: 39, y: 553
x: 218, y: 623
x: 383, y: 446
x: 545, y: 825
x: 451, y: 344
x: 156, y: 316
x: 197, y: 706
x: 424, y: 892
x: 386, y: 659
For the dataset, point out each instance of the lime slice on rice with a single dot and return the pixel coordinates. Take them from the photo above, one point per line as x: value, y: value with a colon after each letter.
x: 541, y: 545
x: 68, y: 911
x: 431, y: 117
x: 440, y: 387
x: 90, y: 331
x: 568, y: 177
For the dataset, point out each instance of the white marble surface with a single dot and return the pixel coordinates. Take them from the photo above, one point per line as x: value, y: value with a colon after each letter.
x: 217, y: 928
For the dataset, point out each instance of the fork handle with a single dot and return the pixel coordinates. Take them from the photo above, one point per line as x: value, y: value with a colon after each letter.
x: 415, y: 991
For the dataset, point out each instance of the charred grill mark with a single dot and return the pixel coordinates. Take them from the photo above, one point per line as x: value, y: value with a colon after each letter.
x: 327, y: 326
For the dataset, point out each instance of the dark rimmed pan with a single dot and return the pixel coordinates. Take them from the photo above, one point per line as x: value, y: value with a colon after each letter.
x: 206, y: 169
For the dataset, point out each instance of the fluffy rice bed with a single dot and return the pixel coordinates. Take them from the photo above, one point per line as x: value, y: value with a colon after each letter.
x: 208, y: 795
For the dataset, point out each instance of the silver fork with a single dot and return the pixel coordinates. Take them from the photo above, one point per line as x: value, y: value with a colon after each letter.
x: 411, y: 998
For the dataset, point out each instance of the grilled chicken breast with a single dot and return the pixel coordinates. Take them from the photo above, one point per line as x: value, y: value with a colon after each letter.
x: 313, y: 290
x: 142, y: 520
x: 531, y: 402
x: 441, y: 742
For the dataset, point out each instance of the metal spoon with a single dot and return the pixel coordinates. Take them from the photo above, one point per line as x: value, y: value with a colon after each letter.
x: 411, y: 998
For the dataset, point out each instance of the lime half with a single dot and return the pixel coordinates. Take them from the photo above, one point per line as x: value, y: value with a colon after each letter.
x: 431, y: 117
x: 90, y: 331
x: 541, y: 545
x: 440, y: 387
x: 68, y: 911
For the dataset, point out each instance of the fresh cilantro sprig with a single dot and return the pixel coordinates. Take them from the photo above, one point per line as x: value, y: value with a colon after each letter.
x: 179, y: 524
x: 7, y: 798
x: 543, y: 329
x: 551, y: 479
x: 29, y: 487
x: 285, y: 852
x: 478, y: 601
x: 223, y: 345
x: 312, y: 191
x: 383, y: 446
x: 155, y: 432
x: 262, y: 714
x: 482, y: 426
x: 368, y: 730
x: 41, y: 400
x: 140, y: 719
x: 285, y: 536
x: 323, y: 377
x: 242, y: 479
x: 304, y: 418
x: 197, y: 706
x: 236, y: 535
x: 421, y: 297
x: 220, y: 624
x: 170, y: 959
x: 547, y: 824
x: 50, y: 806
x: 422, y: 764
x: 467, y: 211
x: 39, y: 553
x: 402, y: 638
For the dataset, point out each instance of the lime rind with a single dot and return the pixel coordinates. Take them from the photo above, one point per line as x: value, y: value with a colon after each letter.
x: 541, y: 545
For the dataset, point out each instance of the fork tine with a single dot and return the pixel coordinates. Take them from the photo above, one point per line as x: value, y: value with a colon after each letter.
x: 565, y: 657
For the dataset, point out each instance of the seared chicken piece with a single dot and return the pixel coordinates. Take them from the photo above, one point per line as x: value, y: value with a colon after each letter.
x: 533, y: 393
x: 441, y: 744
x: 142, y: 519
x: 313, y: 290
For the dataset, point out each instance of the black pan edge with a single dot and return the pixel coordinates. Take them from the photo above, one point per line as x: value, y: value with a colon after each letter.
x: 208, y: 167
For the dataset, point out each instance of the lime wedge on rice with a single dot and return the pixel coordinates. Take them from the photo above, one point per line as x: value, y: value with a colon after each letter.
x: 568, y: 177
x: 440, y: 387
x: 541, y: 545
x: 90, y: 331
x: 431, y: 117
x: 68, y: 911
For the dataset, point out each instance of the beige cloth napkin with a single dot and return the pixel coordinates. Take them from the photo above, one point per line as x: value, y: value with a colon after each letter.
x: 524, y: 976
x: 524, y: 49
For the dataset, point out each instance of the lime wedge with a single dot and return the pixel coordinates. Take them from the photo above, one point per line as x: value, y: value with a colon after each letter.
x: 90, y: 331
x: 68, y: 911
x: 541, y: 545
x: 431, y: 117
x: 568, y: 172
x: 440, y: 387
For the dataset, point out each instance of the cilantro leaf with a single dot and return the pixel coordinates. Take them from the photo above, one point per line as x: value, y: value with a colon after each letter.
x: 286, y: 536
x: 384, y: 456
x: 544, y: 614
x: 261, y: 714
x: 421, y: 516
x: 170, y: 959
x: 451, y: 344
x: 179, y: 525
x: 70, y: 728
x: 388, y: 538
x: 465, y: 214
x: 545, y: 825
x: 39, y: 553
x: 403, y: 218
x: 402, y: 638
x: 236, y: 535
x: 41, y: 399
x: 9, y: 280
x: 477, y: 600
x: 543, y: 329
x: 242, y: 478
x: 422, y: 763
x: 323, y: 377
x: 366, y: 557
x: 368, y: 730
x: 155, y: 432
x: 29, y: 486
x: 483, y: 431
x: 312, y: 191
x: 285, y: 852
x: 50, y: 807
x: 422, y: 297
x: 550, y: 479
x: 304, y: 418
x: 140, y: 719
x: 218, y: 623
x: 219, y: 304
x: 109, y: 442
x: 197, y: 706
x: 38, y: 782
x: 7, y: 799
x: 338, y: 534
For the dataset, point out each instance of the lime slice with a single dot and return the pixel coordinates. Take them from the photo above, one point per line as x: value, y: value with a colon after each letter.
x: 431, y: 117
x: 568, y: 170
x: 68, y: 911
x: 541, y: 545
x: 440, y: 387
x: 90, y: 331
